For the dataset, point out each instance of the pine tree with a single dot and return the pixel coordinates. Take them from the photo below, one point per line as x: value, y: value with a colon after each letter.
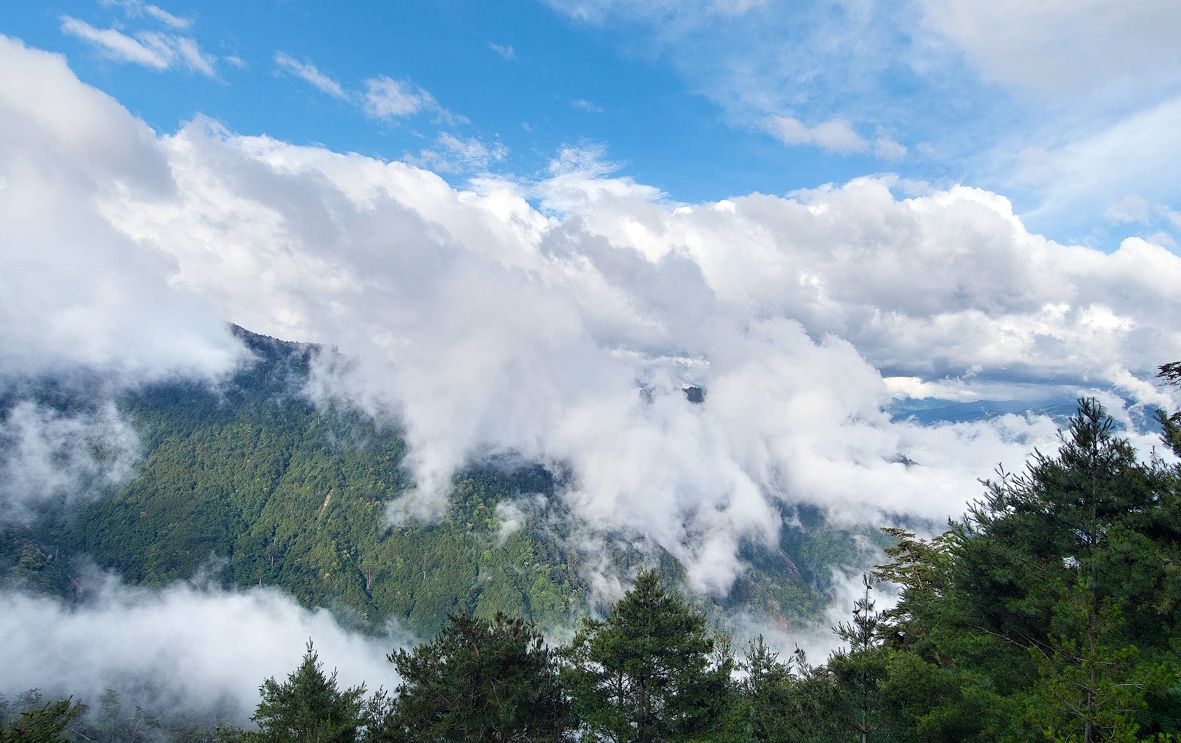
x: 860, y: 669
x: 478, y: 681
x: 307, y: 708
x: 648, y: 671
x: 40, y: 722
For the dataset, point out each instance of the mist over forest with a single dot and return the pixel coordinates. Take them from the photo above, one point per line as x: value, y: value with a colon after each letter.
x: 253, y: 391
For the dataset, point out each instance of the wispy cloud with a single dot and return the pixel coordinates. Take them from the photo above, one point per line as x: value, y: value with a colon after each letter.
x: 452, y: 154
x: 152, y: 49
x: 1131, y: 208
x: 584, y: 105
x: 136, y: 9
x: 383, y: 97
x: 506, y: 52
x: 836, y: 136
x: 386, y: 98
x: 1065, y: 47
x: 310, y: 74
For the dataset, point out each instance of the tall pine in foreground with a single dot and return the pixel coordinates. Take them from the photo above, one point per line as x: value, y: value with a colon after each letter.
x: 649, y: 671
x: 307, y: 707
x: 478, y: 681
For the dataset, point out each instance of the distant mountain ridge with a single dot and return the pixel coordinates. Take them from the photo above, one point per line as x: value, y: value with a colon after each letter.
x: 251, y: 483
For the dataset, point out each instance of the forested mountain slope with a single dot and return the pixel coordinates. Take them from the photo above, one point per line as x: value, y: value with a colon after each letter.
x: 250, y: 483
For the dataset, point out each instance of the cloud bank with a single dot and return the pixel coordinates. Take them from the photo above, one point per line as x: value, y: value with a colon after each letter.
x: 562, y: 317
x: 181, y: 650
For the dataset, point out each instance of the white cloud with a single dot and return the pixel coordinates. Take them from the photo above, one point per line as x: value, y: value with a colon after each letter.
x: 135, y: 8
x: 506, y: 52
x: 386, y: 98
x: 167, y: 18
x: 1082, y: 173
x: 77, y: 291
x: 51, y: 456
x: 970, y: 83
x: 835, y: 136
x: 1057, y: 46
x: 885, y: 148
x: 383, y: 97
x: 309, y: 73
x: 598, y: 11
x: 500, y: 326
x: 1131, y: 208
x: 585, y: 105
x: 454, y: 155
x: 117, y: 45
x: 159, y: 51
x: 183, y: 650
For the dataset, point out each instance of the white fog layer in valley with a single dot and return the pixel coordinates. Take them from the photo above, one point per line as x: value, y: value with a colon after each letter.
x: 181, y: 650
x: 558, y: 317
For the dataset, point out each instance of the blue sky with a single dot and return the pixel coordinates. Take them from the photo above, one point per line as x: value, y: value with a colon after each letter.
x: 1069, y: 110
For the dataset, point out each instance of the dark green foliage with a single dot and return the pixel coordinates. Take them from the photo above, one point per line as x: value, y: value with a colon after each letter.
x: 37, y: 721
x: 1171, y: 424
x: 252, y: 484
x: 27, y: 565
x: 858, y: 672
x: 766, y: 695
x: 1049, y: 610
x: 648, y: 671
x: 307, y: 708
x: 478, y: 681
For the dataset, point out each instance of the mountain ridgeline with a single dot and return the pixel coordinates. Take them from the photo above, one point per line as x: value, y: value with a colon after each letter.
x: 249, y: 483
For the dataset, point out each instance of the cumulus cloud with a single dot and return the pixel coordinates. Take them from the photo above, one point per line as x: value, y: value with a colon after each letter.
x: 182, y: 650
x: 562, y: 318
x: 76, y: 290
x: 156, y: 50
x: 569, y: 336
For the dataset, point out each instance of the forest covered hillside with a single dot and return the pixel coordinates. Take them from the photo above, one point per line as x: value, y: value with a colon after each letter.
x: 249, y: 483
